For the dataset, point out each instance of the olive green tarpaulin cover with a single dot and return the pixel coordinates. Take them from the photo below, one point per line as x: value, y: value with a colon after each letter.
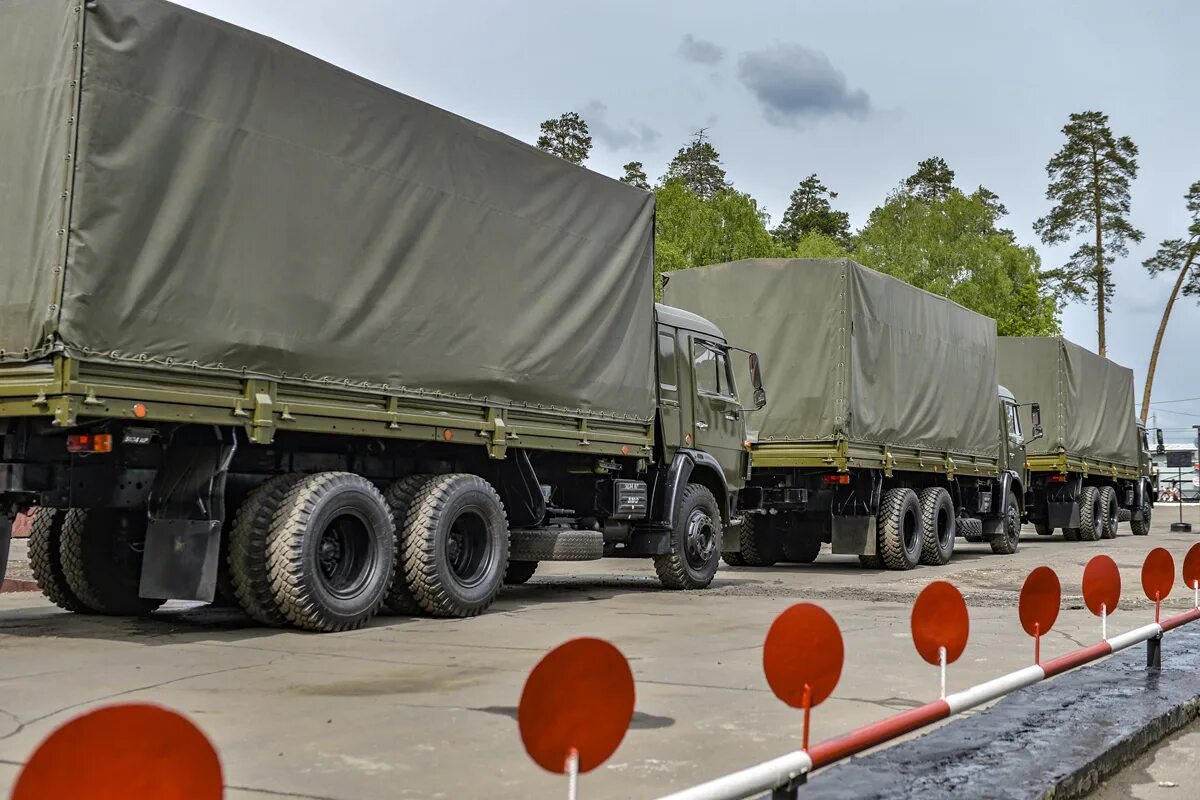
x: 851, y: 353
x: 1087, y: 400
x: 243, y: 208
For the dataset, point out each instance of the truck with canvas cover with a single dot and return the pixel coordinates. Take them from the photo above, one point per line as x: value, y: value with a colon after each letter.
x: 272, y: 333
x: 886, y: 433
x: 1093, y: 468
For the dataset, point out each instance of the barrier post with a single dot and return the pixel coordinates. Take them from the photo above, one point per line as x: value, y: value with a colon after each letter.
x: 1154, y: 652
x: 791, y: 791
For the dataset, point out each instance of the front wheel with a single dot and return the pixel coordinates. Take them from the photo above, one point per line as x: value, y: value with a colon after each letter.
x: 695, y: 542
x: 1009, y: 538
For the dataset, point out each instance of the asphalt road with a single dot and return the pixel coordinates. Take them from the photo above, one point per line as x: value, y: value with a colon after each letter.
x: 421, y: 708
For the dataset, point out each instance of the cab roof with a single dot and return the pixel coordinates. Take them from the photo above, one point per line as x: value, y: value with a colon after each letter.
x: 669, y: 315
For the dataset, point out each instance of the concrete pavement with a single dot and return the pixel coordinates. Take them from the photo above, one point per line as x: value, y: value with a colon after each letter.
x: 423, y: 708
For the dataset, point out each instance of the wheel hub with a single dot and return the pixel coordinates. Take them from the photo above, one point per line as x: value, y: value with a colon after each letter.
x: 331, y: 553
x: 701, y: 540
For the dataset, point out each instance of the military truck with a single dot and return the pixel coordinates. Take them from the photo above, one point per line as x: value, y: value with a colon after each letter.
x: 886, y: 435
x: 273, y: 334
x: 1093, y: 466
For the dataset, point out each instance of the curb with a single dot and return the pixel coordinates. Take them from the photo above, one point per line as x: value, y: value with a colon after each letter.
x: 1056, y: 740
x: 16, y: 585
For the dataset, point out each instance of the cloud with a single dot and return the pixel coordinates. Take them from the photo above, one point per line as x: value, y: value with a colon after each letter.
x: 617, y: 136
x: 794, y: 83
x: 700, y: 51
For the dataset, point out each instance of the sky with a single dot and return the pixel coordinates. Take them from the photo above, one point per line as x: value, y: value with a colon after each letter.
x: 857, y: 92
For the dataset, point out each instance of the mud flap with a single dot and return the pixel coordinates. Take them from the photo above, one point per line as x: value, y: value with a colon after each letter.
x: 854, y: 535
x: 1062, y: 515
x: 181, y: 559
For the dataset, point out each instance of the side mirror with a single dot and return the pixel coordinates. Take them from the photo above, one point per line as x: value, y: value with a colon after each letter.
x: 760, y: 394
x: 1035, y: 416
x: 1162, y: 448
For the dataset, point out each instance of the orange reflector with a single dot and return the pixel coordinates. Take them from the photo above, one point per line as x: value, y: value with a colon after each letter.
x: 624, y: 449
x: 90, y: 443
x: 747, y: 444
x: 842, y: 480
x: 447, y: 434
x: 139, y: 410
x: 1057, y: 479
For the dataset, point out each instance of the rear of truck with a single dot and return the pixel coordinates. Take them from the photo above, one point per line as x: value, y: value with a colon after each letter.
x: 884, y: 434
x: 1085, y: 474
x: 277, y: 335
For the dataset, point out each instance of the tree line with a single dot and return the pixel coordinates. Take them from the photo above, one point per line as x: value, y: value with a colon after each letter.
x: 928, y: 231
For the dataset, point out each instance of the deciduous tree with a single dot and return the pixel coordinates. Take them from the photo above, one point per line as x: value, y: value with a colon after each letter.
x: 1175, y: 254
x: 1089, y: 182
x: 566, y: 137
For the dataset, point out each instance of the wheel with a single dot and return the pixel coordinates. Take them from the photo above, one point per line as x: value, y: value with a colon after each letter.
x: 519, y: 572
x: 102, y: 559
x: 1071, y: 534
x: 1007, y: 542
x: 248, y: 550
x: 399, y: 497
x: 937, y: 526
x: 871, y: 562
x: 1043, y: 528
x: 970, y: 528
x: 330, y: 552
x: 1111, y: 516
x: 899, y: 529
x: 695, y: 542
x: 1091, y: 515
x: 757, y: 542
x: 455, y: 545
x: 733, y: 558
x: 801, y: 548
x: 1142, y: 527
x: 555, y: 545
x: 45, y: 558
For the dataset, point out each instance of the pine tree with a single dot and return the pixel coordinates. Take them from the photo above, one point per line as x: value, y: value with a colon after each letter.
x: 1089, y: 180
x: 1171, y: 254
x: 810, y: 211
x: 698, y: 167
x: 566, y: 137
x: 635, y: 175
x: 932, y: 181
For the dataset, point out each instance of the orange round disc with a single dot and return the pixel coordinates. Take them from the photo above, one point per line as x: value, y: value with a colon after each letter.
x: 1158, y: 574
x: 579, y: 697
x: 133, y: 750
x: 940, y: 619
x: 803, y: 648
x: 1101, y: 585
x: 1041, y: 597
x: 1191, y: 567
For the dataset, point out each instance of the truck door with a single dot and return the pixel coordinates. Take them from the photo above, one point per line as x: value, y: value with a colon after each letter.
x: 1015, y: 450
x: 717, y: 416
x: 670, y: 411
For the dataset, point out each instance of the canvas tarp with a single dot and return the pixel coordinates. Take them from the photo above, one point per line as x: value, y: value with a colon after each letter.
x: 243, y: 208
x: 1086, y: 400
x: 849, y: 352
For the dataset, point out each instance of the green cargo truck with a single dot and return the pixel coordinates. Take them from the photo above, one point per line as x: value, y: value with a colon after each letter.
x: 1093, y: 468
x: 275, y: 334
x: 886, y: 434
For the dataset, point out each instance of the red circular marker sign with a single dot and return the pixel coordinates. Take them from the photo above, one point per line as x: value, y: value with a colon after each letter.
x: 1041, y: 597
x: 1101, y: 585
x: 579, y: 697
x: 1191, y: 567
x: 134, y: 750
x: 940, y: 619
x: 803, y: 648
x: 1158, y: 574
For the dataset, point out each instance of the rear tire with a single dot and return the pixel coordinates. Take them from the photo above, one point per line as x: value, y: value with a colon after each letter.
x: 758, y: 546
x: 248, y: 550
x: 1141, y: 527
x: 899, y: 527
x: 695, y: 542
x: 1007, y: 542
x: 330, y: 552
x: 1091, y: 515
x: 399, y: 497
x: 45, y: 559
x: 455, y: 545
x: 938, y: 527
x: 519, y: 572
x: 102, y: 560
x: 733, y: 558
x: 802, y: 548
x: 1112, y: 513
x: 1043, y: 529
x: 870, y: 562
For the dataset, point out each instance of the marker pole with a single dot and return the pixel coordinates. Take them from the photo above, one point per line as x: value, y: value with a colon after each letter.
x: 572, y: 774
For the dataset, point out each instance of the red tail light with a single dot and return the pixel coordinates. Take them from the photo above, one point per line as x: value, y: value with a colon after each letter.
x: 90, y: 443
